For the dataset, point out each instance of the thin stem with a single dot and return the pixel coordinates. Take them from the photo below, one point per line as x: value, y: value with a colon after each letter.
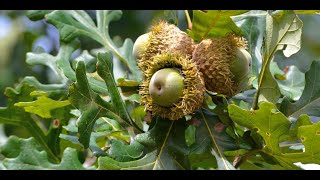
x: 188, y: 19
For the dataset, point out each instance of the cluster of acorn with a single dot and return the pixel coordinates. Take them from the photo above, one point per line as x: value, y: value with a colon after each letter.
x: 177, y: 72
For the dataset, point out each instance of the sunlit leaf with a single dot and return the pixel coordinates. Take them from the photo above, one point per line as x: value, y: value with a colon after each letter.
x: 43, y: 105
x: 275, y: 128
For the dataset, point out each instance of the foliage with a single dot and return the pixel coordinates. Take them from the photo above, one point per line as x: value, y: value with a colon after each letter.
x: 88, y: 115
x: 22, y: 154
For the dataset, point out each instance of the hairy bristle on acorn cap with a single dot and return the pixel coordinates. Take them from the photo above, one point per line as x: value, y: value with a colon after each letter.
x: 194, y: 88
x: 213, y: 58
x: 165, y: 37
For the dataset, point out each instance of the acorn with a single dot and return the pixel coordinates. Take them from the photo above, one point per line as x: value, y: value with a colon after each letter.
x: 173, y: 86
x: 140, y: 45
x: 166, y: 87
x: 224, y: 63
x: 162, y: 38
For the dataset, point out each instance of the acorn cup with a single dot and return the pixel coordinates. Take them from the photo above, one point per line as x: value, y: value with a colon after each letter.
x: 162, y: 38
x: 173, y: 86
x: 224, y: 63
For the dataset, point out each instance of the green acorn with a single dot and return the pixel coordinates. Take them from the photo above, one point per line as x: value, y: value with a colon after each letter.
x: 162, y: 38
x: 166, y: 87
x: 140, y: 45
x: 173, y: 86
x: 224, y: 64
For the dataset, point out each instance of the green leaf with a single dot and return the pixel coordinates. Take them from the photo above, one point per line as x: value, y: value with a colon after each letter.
x: 307, y: 11
x: 291, y: 81
x: 58, y: 64
x: 145, y: 163
x: 36, y: 15
x: 57, y: 109
x: 43, y: 105
x: 165, y: 143
x: 122, y: 152
x: 62, y: 70
x: 71, y: 25
x: 214, y: 23
x: 210, y: 134
x: 29, y: 156
x: 267, y: 120
x: 220, y: 109
x: 288, y: 39
x: 75, y: 23
x: 309, y: 51
x: 128, y: 86
x: 220, y: 140
x: 88, y: 60
x: 104, y: 68
x: 126, y: 51
x: 17, y: 116
x: 3, y: 136
x: 167, y: 137
x: 166, y: 146
x: 2, y: 166
x: 190, y: 134
x: 104, y: 130
x: 283, y: 33
x: 309, y: 102
x: 203, y: 161
x: 275, y: 128
x: 223, y: 164
x: 258, y: 163
x: 138, y: 115
x: 91, y: 105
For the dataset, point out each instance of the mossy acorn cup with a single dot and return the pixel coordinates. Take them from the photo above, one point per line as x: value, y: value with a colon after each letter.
x: 173, y: 86
x: 162, y: 38
x: 224, y: 63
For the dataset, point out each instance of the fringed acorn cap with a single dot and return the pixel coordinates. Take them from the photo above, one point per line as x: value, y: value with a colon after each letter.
x: 214, y: 58
x: 165, y: 37
x: 193, y: 91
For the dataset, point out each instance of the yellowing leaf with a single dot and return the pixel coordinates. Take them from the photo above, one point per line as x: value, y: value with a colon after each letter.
x: 43, y: 105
